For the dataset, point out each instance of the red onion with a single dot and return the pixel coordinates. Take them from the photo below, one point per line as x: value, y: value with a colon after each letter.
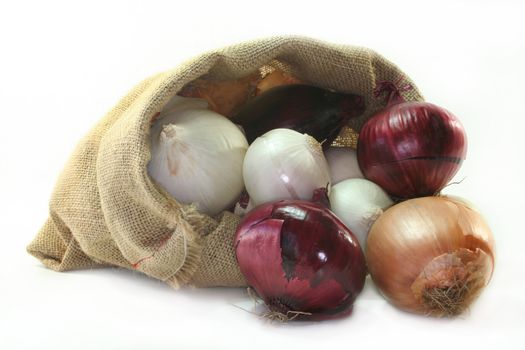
x: 307, y: 109
x: 411, y: 149
x: 300, y: 258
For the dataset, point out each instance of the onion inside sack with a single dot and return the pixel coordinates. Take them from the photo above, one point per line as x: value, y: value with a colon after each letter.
x: 276, y: 78
x: 343, y: 164
x: 431, y: 255
x: 300, y: 259
x: 411, y: 149
x: 307, y: 109
x: 197, y: 155
x: 224, y: 97
x: 284, y: 164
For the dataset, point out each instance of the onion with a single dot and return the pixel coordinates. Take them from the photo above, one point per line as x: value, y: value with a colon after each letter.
x: 411, y: 149
x: 343, y: 164
x: 224, y: 97
x: 431, y: 255
x: 300, y: 259
x: 306, y: 109
x: 274, y: 79
x: 358, y: 203
x: 197, y: 155
x: 284, y: 164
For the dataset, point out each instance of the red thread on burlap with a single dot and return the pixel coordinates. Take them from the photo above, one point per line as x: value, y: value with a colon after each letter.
x: 160, y: 245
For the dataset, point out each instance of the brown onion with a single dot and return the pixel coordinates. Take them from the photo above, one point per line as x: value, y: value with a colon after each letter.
x: 274, y: 79
x: 431, y: 255
x: 224, y: 97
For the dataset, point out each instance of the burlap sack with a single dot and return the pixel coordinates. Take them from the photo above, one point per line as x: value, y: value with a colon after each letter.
x: 106, y: 211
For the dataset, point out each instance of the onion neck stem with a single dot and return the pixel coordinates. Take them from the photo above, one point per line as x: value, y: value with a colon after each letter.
x: 393, y: 90
x: 320, y: 196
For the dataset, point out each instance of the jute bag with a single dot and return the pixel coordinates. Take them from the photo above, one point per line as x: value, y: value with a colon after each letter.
x: 106, y: 211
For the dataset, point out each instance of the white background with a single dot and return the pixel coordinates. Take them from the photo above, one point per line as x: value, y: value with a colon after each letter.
x: 64, y: 65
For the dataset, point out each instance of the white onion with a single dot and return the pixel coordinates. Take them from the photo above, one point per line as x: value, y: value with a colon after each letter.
x: 358, y: 203
x: 284, y: 164
x: 342, y: 162
x: 197, y: 155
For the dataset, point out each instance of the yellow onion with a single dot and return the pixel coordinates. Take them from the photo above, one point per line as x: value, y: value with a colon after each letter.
x: 274, y: 79
x: 224, y: 97
x: 431, y: 255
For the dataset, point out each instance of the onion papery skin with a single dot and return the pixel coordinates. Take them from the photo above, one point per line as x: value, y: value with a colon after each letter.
x: 343, y: 164
x: 284, y: 164
x: 197, y: 155
x: 411, y: 149
x: 307, y: 109
x: 358, y: 203
x: 299, y: 257
x: 431, y: 255
x: 274, y: 79
x: 224, y: 97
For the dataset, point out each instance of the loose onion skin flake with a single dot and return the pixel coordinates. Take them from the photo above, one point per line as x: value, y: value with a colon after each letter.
x: 307, y: 109
x: 431, y: 255
x: 300, y: 259
x: 411, y: 149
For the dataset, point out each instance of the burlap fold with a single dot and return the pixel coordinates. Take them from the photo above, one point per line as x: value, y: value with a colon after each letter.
x: 106, y: 211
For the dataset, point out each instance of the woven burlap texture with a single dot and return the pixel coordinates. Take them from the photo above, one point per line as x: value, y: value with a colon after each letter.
x: 106, y: 211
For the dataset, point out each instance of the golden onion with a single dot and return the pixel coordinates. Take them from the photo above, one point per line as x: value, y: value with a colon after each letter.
x: 431, y: 255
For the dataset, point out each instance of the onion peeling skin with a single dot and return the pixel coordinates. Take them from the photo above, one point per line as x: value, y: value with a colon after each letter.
x: 243, y: 205
x: 431, y: 255
x: 300, y: 259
